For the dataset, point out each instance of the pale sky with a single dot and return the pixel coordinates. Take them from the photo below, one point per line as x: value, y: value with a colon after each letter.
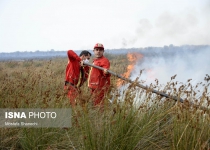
x: 30, y: 25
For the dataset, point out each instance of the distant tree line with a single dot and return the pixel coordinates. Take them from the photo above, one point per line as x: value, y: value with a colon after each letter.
x: 149, y: 51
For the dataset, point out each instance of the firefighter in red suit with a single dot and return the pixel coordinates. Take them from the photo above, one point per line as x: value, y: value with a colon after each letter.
x: 99, y: 81
x: 76, y: 73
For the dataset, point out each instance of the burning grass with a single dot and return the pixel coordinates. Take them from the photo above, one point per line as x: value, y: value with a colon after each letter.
x: 132, y: 119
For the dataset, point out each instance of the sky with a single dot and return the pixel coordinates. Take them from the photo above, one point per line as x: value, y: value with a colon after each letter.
x: 30, y: 25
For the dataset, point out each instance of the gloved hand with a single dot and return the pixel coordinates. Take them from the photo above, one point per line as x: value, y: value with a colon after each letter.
x: 106, y: 71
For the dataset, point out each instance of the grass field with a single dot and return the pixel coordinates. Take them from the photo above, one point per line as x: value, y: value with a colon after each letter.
x: 125, y: 123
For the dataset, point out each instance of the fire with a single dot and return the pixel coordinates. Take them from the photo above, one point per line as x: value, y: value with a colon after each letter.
x: 132, y: 58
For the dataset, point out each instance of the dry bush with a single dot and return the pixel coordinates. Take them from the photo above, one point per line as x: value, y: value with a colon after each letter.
x: 132, y: 118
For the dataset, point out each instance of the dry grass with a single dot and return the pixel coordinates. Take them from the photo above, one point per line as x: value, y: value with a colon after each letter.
x: 125, y: 123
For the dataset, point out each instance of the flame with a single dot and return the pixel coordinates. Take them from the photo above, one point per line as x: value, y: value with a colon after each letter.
x: 132, y: 58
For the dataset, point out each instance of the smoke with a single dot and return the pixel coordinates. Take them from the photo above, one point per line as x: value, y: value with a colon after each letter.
x: 185, y: 64
x: 186, y: 26
x: 144, y: 27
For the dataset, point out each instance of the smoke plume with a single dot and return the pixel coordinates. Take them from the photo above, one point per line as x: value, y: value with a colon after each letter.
x: 184, y: 65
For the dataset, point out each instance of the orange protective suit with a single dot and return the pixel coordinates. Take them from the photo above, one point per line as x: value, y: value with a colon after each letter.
x: 76, y: 75
x: 98, y: 81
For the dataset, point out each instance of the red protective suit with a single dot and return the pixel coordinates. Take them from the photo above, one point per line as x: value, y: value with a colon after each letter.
x: 75, y: 75
x: 98, y: 81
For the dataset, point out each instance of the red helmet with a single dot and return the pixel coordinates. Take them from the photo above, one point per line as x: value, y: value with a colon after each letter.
x: 99, y: 45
